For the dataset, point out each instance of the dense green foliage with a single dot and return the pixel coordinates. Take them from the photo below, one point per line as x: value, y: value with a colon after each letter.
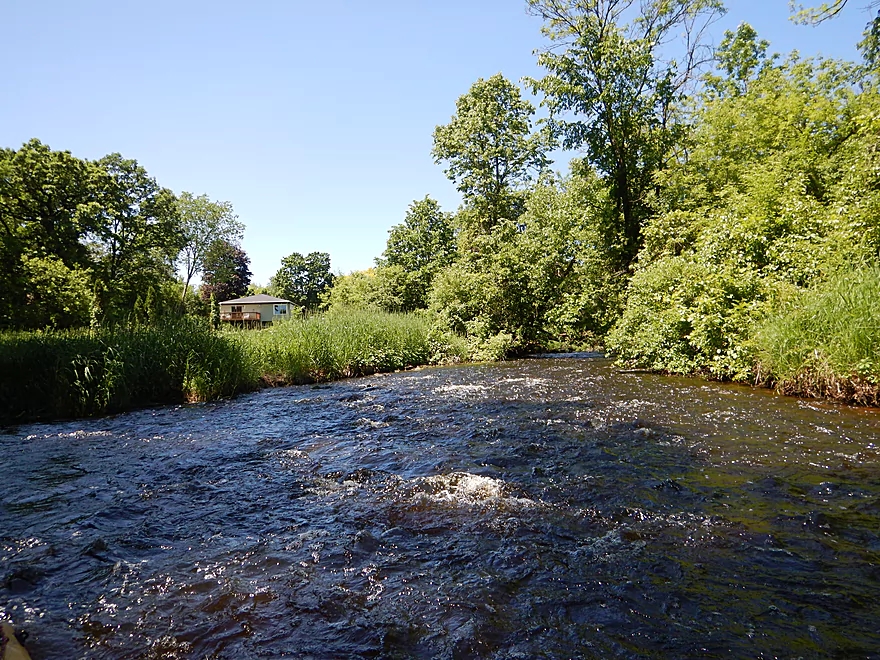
x: 79, y: 239
x: 88, y: 242
x: 303, y: 279
x: 779, y: 191
x: 71, y: 373
x: 711, y: 226
x: 545, y: 277
x: 621, y: 96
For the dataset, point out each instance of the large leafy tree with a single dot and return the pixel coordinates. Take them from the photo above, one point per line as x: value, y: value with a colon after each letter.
x: 490, y: 150
x: 302, y: 279
x: 611, y: 93
x: 47, y: 207
x: 47, y: 202
x: 226, y: 273
x: 416, y: 250
x: 138, y: 236
x: 203, y: 222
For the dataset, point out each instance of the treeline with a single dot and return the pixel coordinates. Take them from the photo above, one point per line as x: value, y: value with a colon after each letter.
x: 94, y: 243
x: 724, y: 223
x: 87, y: 243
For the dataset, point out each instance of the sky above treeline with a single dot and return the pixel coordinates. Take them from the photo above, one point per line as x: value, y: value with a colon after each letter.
x: 314, y: 119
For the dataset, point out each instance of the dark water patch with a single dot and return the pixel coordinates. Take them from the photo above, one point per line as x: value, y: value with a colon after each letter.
x: 540, y: 508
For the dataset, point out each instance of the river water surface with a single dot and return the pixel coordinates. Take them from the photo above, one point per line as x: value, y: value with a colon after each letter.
x: 539, y: 508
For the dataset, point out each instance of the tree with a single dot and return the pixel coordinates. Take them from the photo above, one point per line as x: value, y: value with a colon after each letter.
x: 46, y: 208
x: 622, y: 96
x: 225, y: 272
x: 138, y: 234
x: 47, y: 202
x: 739, y: 58
x: 358, y: 289
x: 416, y: 250
x: 302, y: 280
x: 425, y: 239
x: 490, y: 150
x: 203, y: 222
x: 869, y: 45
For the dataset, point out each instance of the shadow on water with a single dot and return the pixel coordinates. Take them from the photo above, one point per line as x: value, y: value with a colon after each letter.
x: 540, y: 508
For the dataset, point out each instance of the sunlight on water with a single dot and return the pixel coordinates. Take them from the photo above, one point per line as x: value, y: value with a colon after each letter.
x: 540, y: 508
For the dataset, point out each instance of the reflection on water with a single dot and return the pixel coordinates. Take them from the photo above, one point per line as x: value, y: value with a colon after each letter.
x: 546, y: 507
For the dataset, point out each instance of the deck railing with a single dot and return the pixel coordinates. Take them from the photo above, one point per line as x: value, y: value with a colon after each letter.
x: 239, y: 316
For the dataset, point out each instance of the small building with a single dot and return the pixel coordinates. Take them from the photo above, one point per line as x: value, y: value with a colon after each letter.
x: 255, y: 311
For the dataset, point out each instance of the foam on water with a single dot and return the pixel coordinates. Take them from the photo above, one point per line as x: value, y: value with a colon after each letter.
x: 537, y: 508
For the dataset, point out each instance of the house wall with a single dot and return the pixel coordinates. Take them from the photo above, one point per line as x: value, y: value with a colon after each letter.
x: 266, y: 310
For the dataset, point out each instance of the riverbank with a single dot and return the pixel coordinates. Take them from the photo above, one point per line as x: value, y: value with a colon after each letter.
x: 57, y: 375
x: 821, y: 341
x: 812, y: 350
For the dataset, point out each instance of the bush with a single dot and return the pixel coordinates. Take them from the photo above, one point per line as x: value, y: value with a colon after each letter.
x: 685, y: 317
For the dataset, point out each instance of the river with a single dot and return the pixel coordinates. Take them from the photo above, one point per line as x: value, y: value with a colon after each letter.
x: 549, y: 507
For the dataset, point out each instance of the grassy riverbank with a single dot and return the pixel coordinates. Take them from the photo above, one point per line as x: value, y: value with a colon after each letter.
x: 826, y: 342
x: 79, y: 373
x: 342, y: 344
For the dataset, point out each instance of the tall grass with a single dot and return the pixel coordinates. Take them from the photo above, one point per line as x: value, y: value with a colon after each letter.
x: 51, y: 375
x: 342, y: 344
x: 75, y: 373
x: 827, y: 343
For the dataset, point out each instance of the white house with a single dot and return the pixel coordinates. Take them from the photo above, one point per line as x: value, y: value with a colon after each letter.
x: 255, y: 311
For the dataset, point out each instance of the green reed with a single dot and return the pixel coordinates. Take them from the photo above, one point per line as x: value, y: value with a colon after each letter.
x: 77, y: 373
x: 827, y: 342
x: 50, y: 375
x: 337, y: 345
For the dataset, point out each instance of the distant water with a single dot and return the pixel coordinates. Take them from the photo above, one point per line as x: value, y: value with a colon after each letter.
x: 547, y: 507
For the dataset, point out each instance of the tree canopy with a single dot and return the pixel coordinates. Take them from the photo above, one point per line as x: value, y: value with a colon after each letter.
x: 302, y: 279
x: 226, y: 272
x: 490, y: 150
x: 203, y: 222
x: 610, y: 93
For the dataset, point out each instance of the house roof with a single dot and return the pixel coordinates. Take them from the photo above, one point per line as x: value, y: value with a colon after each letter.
x: 254, y: 300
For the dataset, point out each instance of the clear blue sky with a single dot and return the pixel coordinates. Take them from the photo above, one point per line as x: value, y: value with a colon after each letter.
x: 313, y: 118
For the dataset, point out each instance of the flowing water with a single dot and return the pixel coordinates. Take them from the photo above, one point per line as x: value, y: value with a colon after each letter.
x: 541, y: 508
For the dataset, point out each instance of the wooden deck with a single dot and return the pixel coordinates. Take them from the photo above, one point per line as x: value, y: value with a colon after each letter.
x: 239, y: 316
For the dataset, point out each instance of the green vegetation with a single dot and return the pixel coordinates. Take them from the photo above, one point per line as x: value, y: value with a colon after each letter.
x: 824, y: 342
x: 724, y: 223
x: 341, y: 344
x: 779, y: 194
x: 74, y: 373
x: 303, y: 279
